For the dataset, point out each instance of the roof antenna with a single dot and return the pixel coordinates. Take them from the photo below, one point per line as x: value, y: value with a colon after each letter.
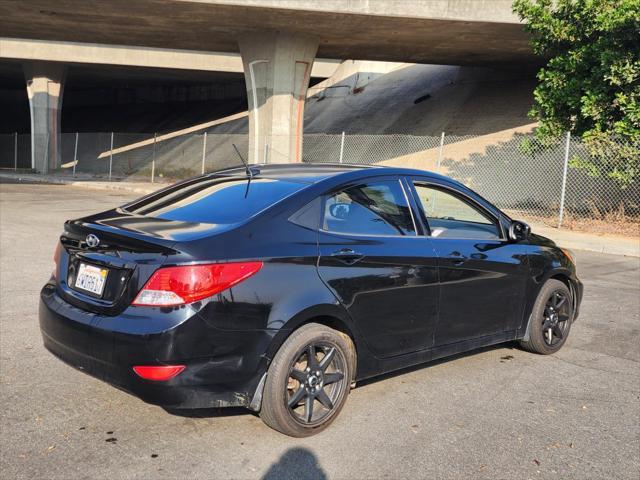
x: 244, y: 162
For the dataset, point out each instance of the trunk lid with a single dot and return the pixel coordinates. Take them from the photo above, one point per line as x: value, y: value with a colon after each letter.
x: 130, y: 248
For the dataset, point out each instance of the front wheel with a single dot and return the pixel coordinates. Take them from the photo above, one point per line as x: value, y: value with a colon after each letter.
x: 308, y: 381
x: 551, y: 319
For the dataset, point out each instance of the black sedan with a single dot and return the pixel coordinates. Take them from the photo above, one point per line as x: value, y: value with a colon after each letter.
x: 278, y: 287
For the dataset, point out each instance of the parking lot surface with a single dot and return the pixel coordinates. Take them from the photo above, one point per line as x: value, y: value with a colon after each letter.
x: 494, y: 413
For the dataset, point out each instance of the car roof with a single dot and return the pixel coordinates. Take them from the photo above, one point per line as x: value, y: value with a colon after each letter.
x: 315, y: 172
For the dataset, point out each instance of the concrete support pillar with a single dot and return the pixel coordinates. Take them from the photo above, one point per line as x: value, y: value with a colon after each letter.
x: 45, y: 86
x: 277, y: 67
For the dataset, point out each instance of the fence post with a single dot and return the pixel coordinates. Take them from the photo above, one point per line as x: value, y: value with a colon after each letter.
x: 75, y: 155
x: 440, y: 152
x: 204, y: 150
x: 564, y: 179
x: 45, y: 166
x: 111, y: 157
x: 153, y: 159
x: 341, y: 147
x: 15, y: 151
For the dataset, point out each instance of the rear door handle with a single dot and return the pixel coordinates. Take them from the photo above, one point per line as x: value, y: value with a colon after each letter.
x: 347, y: 255
x: 456, y: 258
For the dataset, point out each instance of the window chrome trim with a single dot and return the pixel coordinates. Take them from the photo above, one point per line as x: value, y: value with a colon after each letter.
x: 329, y: 232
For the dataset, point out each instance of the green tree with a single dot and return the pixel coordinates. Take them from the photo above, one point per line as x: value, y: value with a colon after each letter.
x: 590, y: 84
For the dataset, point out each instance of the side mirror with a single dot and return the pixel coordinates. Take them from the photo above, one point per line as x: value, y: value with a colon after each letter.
x: 519, y: 231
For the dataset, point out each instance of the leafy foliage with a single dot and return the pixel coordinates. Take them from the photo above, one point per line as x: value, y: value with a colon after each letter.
x: 591, y: 82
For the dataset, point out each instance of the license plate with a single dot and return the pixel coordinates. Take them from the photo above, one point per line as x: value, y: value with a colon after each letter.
x: 91, y: 279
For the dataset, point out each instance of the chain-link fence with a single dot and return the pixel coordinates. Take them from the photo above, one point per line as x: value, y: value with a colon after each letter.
x: 540, y: 185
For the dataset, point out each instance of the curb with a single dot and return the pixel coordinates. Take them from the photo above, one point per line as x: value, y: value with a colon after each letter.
x: 90, y: 184
x: 611, y: 245
x: 118, y: 187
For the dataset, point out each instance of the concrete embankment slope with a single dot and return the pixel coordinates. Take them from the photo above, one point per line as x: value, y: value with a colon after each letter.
x: 476, y: 108
x: 399, y: 98
x: 384, y: 98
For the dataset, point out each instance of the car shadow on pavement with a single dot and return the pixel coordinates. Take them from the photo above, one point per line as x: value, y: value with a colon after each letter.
x: 296, y: 463
x: 209, y: 412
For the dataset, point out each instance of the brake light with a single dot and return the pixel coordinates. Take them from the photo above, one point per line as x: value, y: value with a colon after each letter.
x: 170, y: 286
x: 56, y: 260
x: 158, y: 373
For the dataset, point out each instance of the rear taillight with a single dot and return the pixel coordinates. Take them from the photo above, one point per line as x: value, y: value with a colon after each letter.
x: 158, y: 373
x: 56, y: 260
x: 170, y: 286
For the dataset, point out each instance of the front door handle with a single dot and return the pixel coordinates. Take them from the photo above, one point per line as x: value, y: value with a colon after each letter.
x: 456, y: 258
x: 347, y: 255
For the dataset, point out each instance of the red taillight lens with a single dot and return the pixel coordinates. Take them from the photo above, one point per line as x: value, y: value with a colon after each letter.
x: 56, y: 260
x: 158, y: 373
x: 171, y: 286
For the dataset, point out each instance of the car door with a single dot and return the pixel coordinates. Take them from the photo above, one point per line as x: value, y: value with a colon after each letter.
x: 482, y: 274
x: 378, y: 267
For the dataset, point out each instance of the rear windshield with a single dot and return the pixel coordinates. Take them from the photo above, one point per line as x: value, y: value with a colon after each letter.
x: 215, y: 200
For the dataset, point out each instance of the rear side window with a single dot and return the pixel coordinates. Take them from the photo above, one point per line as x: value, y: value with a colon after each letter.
x: 449, y: 216
x: 215, y: 200
x: 376, y: 208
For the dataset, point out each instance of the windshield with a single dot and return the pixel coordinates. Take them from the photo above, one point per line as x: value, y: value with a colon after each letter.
x: 216, y: 200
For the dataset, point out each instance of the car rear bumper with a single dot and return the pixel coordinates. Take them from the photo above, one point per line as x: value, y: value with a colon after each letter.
x: 223, y: 368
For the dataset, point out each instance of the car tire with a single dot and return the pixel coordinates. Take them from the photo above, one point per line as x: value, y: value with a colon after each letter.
x: 303, y: 397
x: 551, y: 318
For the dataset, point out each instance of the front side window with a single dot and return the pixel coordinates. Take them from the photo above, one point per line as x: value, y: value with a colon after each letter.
x: 449, y: 216
x: 376, y: 208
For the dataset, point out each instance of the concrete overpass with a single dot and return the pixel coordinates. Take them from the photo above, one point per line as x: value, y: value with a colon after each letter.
x: 278, y: 41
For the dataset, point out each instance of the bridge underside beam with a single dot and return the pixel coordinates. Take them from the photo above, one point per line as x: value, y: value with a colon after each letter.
x: 448, y: 32
x: 25, y: 49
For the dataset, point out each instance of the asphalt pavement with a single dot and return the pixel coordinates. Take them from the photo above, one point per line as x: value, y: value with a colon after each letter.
x: 494, y: 413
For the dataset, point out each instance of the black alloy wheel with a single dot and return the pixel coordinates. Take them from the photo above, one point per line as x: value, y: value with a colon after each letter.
x: 308, y: 380
x: 556, y: 317
x: 551, y: 318
x: 316, y: 381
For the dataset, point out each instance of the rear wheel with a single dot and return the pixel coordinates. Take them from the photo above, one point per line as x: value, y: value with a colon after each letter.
x: 308, y: 381
x: 551, y: 319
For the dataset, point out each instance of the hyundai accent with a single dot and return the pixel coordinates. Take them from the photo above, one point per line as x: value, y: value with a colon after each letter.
x: 278, y: 287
